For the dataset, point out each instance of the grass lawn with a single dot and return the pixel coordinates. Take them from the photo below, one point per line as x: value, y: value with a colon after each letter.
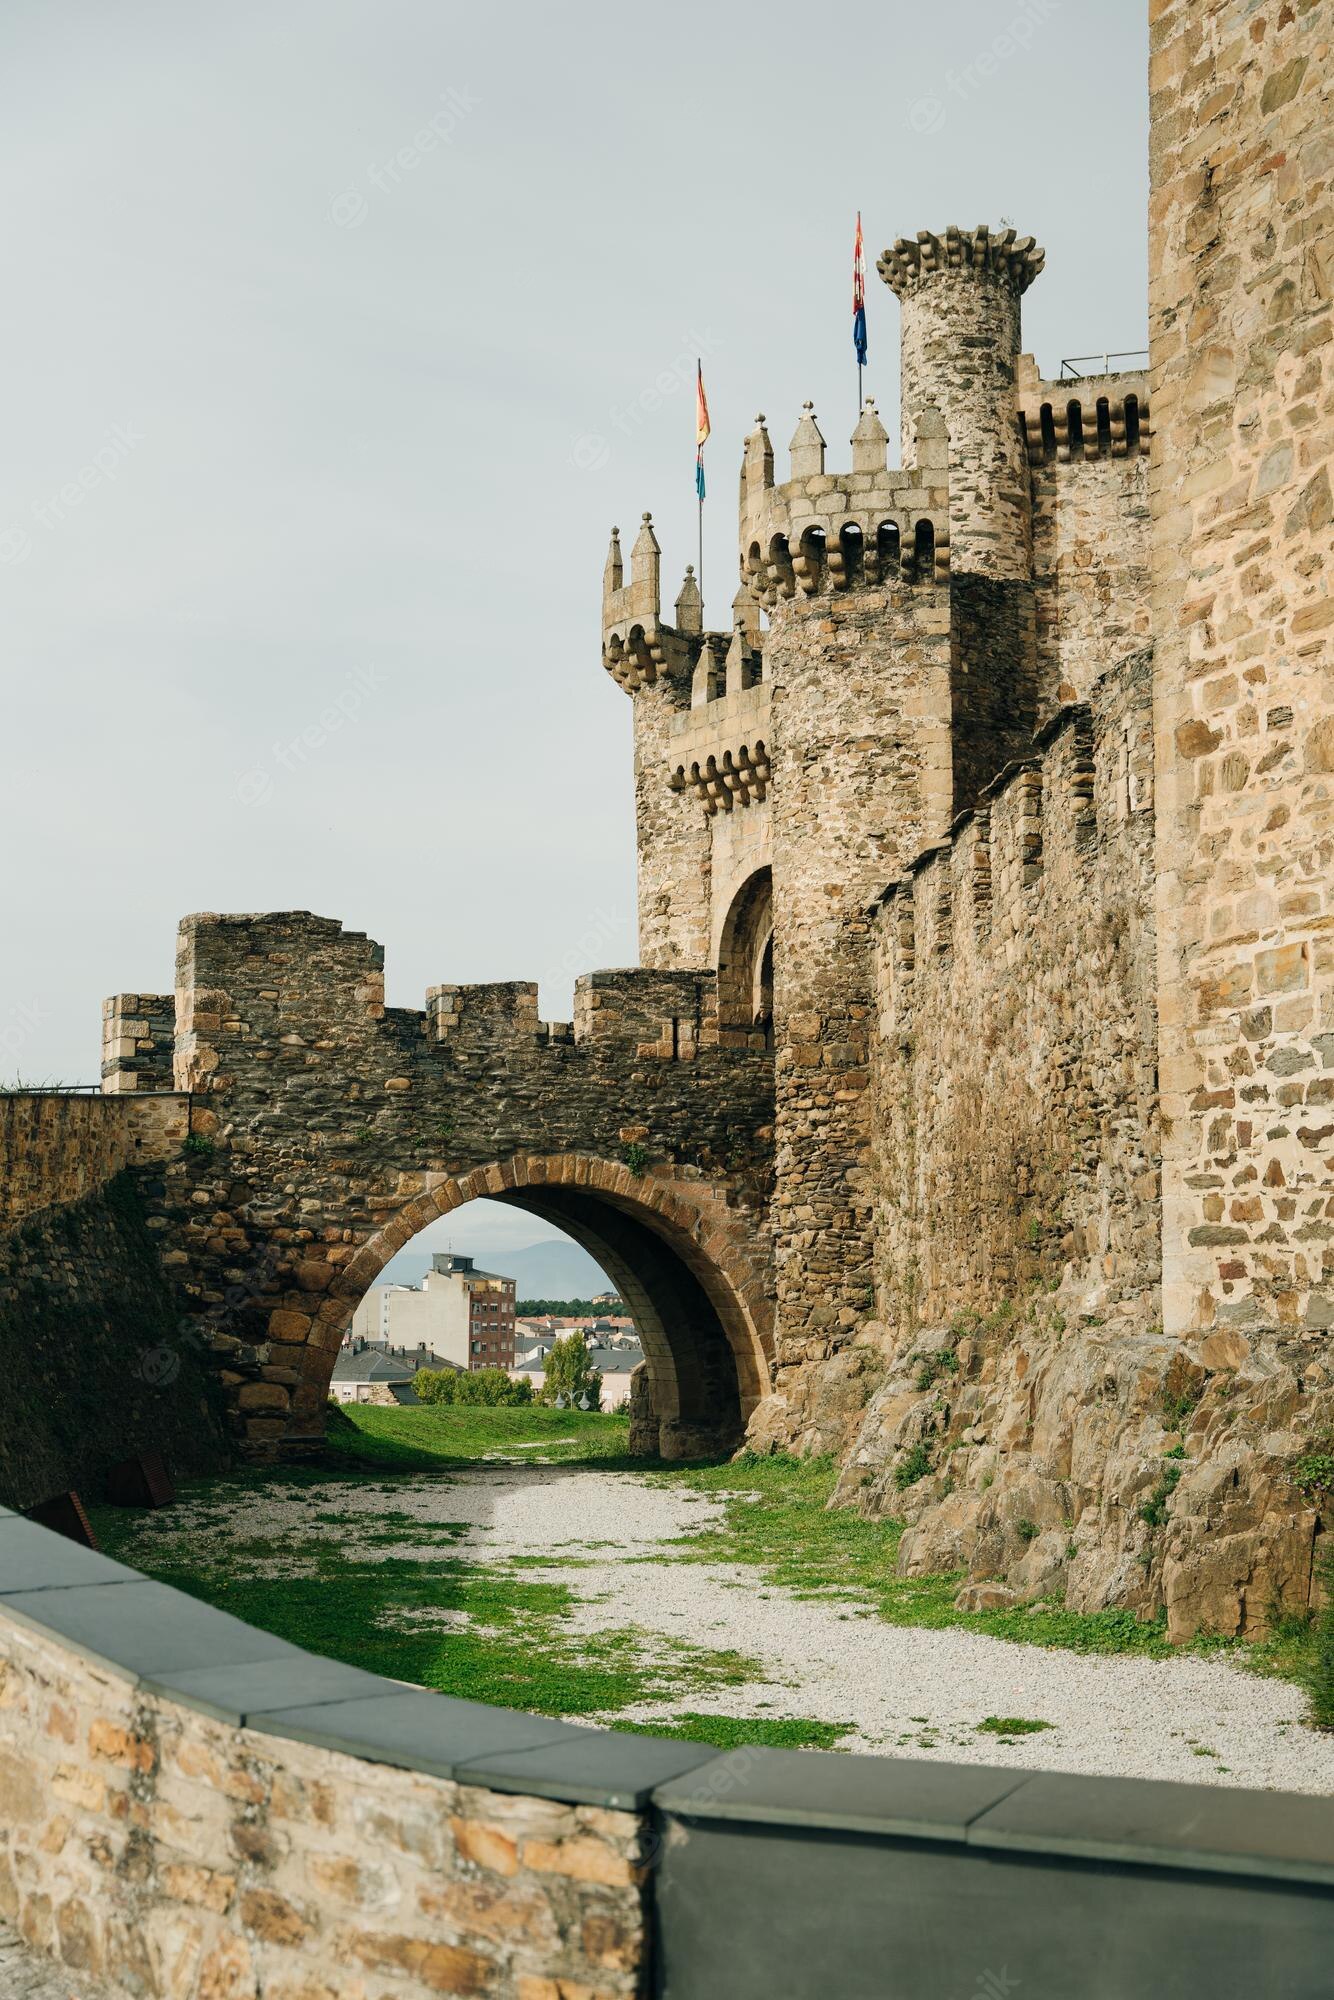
x: 498, y: 1631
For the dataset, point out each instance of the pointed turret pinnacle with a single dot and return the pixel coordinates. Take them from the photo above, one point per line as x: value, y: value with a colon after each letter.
x: 759, y: 460
x: 645, y: 570
x: 689, y: 604
x: 807, y: 446
x: 870, y: 440
x: 613, y: 571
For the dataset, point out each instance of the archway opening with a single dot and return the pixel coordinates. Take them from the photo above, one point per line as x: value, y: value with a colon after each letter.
x: 677, y: 1256
x: 746, y: 964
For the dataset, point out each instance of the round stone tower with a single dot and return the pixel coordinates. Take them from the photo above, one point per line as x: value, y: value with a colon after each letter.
x: 960, y: 297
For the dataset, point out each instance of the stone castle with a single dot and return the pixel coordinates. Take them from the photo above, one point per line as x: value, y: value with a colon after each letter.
x: 971, y: 1115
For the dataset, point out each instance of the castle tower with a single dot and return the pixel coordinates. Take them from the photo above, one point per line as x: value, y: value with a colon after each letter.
x: 851, y: 567
x: 960, y: 341
x: 660, y: 666
x: 959, y: 351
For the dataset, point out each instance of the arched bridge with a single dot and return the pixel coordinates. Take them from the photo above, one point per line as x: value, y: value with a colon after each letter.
x: 327, y: 1129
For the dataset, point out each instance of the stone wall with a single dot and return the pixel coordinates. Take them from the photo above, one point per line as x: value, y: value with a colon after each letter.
x: 1019, y: 1402
x: 139, y: 1042
x: 1241, y: 299
x: 170, y: 1854
x: 329, y: 1129
x: 93, y: 1358
x: 1091, y: 555
x: 56, y: 1147
x: 1014, y: 1066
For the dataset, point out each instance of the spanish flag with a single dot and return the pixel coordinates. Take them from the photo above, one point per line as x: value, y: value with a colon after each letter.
x: 859, y: 295
x: 701, y: 427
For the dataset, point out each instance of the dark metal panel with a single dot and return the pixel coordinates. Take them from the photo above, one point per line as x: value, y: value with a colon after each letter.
x: 778, y: 1913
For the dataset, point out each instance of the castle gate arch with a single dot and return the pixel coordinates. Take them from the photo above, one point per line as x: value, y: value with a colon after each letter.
x: 746, y: 962
x: 678, y: 1256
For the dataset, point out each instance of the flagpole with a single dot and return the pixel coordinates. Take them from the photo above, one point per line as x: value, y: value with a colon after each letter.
x: 699, y: 497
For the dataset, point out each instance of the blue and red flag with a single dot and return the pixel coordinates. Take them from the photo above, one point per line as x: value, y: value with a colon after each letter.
x: 859, y: 296
x: 701, y: 427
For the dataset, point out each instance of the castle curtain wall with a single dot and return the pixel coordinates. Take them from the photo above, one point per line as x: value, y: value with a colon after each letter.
x: 1242, y: 263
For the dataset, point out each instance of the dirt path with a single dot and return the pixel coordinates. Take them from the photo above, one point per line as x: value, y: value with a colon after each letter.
x: 609, y: 1537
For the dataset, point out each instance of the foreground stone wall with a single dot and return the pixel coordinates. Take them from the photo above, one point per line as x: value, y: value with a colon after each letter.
x: 169, y: 1854
x: 56, y: 1147
x: 1241, y: 303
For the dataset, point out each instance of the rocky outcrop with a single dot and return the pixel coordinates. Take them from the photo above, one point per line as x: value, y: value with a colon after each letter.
x: 1051, y: 1453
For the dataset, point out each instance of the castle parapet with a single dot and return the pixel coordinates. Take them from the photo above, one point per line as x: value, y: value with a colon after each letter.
x: 138, y: 1042
x: 666, y: 1014
x: 1083, y: 416
x: 492, y: 1012
x: 638, y: 646
x: 837, y: 531
x: 1004, y: 254
x: 981, y: 892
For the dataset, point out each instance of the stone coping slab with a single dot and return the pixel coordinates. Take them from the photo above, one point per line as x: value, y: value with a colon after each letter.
x: 143, y: 1628
x: 901, y: 1796
x: 603, y: 1767
x: 175, y: 1647
x: 1223, y: 1829
x: 241, y: 1694
x: 28, y: 1561
x: 415, y: 1729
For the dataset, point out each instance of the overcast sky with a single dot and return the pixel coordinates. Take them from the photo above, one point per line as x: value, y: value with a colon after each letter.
x: 336, y: 336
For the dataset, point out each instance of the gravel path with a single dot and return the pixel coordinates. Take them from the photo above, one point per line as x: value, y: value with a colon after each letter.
x: 904, y: 1690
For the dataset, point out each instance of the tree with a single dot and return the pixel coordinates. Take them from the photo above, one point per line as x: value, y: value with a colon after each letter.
x: 566, y: 1308
x: 569, y: 1372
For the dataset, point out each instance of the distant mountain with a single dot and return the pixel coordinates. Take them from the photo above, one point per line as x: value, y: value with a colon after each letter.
x: 552, y: 1270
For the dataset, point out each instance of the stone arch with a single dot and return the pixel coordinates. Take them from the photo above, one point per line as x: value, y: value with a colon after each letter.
x: 686, y: 1262
x: 745, y: 962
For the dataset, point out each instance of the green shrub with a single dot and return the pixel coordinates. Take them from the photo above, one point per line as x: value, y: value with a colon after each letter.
x: 914, y: 1467
x: 1320, y: 1674
x: 1027, y: 1531
x: 1313, y: 1473
x: 1177, y: 1408
x: 491, y: 1386
x: 1154, y: 1510
x: 197, y: 1147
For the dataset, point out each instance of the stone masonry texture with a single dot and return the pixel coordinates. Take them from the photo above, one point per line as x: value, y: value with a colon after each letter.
x: 1242, y: 303
x: 171, y: 1857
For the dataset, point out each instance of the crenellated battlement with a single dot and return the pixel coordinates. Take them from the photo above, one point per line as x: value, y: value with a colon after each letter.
x: 913, y: 260
x: 1087, y: 786
x: 638, y: 647
x: 823, y: 531
x: 138, y: 1042
x: 1081, y: 417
